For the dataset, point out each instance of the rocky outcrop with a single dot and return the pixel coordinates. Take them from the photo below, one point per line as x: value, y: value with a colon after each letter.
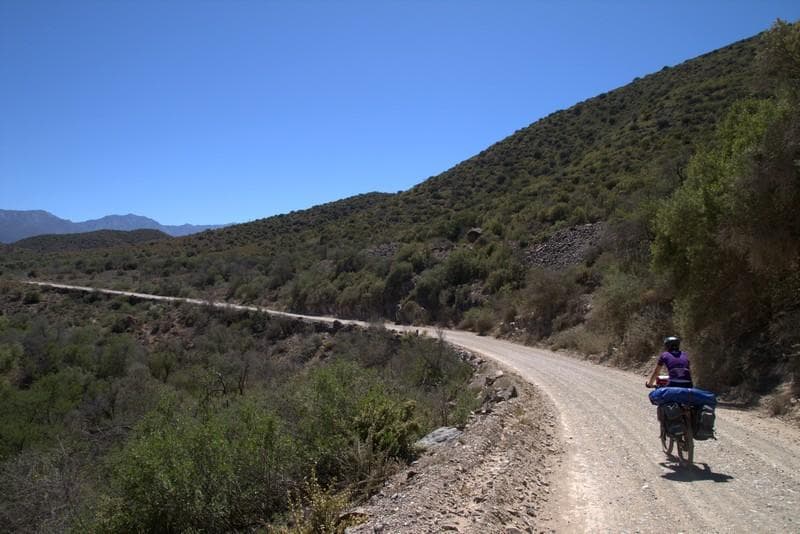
x: 570, y: 246
x: 438, y: 437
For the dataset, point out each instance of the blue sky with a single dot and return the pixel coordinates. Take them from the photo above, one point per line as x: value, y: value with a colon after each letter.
x: 228, y: 111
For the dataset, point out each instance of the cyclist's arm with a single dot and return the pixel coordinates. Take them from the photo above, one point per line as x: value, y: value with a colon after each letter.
x: 654, y: 376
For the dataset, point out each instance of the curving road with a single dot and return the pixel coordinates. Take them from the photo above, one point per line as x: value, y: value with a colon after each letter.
x: 615, y: 477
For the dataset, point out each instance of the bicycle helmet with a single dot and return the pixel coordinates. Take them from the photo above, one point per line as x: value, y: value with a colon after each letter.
x: 672, y: 343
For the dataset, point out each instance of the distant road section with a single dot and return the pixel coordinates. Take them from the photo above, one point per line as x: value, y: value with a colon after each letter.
x: 615, y: 477
x: 199, y: 302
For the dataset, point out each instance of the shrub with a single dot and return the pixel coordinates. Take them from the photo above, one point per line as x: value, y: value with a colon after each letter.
x: 224, y: 471
x: 616, y: 301
x: 317, y: 510
x: 412, y: 313
x: 32, y: 297
x: 430, y: 284
x: 398, y: 283
x: 549, y: 302
x: 579, y: 338
x: 480, y: 320
x: 644, y: 334
x: 461, y: 267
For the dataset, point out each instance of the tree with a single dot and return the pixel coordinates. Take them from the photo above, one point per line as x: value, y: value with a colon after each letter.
x: 730, y: 237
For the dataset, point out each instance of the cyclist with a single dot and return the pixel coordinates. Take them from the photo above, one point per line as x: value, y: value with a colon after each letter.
x: 676, y: 362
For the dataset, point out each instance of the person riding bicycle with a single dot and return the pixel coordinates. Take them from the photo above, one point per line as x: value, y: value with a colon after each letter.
x: 676, y: 362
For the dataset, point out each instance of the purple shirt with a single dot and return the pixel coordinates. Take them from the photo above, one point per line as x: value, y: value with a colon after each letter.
x: 678, y: 365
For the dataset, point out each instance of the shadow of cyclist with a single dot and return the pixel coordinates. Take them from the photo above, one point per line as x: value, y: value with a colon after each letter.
x: 692, y: 473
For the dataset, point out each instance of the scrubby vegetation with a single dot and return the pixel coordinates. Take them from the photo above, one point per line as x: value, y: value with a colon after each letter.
x: 119, y: 415
x: 688, y: 174
x: 89, y: 240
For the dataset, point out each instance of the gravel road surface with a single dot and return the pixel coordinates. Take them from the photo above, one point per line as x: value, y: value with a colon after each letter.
x: 617, y: 479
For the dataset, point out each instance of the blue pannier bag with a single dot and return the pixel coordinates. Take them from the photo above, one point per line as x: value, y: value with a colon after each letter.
x: 692, y: 396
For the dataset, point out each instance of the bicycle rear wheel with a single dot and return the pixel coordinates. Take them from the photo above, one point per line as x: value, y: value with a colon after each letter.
x: 667, y: 442
x: 689, y: 445
x: 686, y: 446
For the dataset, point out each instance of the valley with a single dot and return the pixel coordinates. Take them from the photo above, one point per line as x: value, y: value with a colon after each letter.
x: 586, y: 436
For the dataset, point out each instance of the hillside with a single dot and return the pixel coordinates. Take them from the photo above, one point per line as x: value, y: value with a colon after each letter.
x: 499, y: 243
x: 16, y: 225
x: 567, y: 168
x: 88, y: 240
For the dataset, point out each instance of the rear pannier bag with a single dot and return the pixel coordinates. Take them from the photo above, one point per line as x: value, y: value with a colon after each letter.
x: 672, y: 418
x: 704, y: 422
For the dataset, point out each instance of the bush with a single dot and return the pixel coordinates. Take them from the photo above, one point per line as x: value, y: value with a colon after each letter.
x: 179, y: 472
x: 644, y: 334
x: 317, y: 510
x: 550, y: 302
x: 342, y: 403
x: 480, y: 320
x: 580, y: 339
x: 616, y: 301
x: 32, y: 297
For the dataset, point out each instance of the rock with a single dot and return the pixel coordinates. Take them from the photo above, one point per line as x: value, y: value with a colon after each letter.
x: 438, y: 437
x: 491, y: 379
x: 505, y: 394
x: 569, y: 246
x: 473, y: 234
x: 384, y: 250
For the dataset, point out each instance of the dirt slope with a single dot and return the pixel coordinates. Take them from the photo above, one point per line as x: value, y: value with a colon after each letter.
x: 612, y: 476
x: 493, y: 478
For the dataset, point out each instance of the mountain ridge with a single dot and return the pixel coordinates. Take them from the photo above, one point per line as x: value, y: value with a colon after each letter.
x: 20, y: 224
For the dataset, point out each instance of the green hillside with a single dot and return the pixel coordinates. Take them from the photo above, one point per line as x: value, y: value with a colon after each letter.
x: 89, y: 240
x: 476, y: 246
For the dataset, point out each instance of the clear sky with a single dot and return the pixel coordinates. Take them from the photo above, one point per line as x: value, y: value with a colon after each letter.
x: 228, y: 111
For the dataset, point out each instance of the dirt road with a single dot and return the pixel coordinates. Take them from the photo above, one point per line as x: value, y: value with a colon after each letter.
x: 615, y: 477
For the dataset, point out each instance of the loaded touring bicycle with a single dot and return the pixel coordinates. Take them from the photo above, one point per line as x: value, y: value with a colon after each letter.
x: 686, y: 415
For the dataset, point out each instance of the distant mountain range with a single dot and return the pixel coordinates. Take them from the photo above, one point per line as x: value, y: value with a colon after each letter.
x: 16, y: 225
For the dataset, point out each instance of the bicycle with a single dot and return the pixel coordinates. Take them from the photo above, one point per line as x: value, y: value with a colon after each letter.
x: 683, y: 440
